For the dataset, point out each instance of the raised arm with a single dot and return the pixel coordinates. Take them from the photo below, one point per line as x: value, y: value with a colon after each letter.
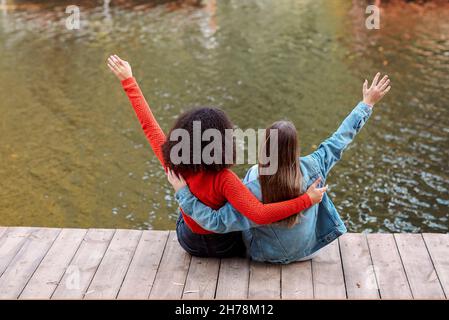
x: 151, y: 128
x: 330, y: 151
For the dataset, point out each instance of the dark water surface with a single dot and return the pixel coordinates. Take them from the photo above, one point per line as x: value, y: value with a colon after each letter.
x: 72, y: 152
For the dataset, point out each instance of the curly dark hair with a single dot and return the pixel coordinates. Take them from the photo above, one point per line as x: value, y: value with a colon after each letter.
x: 210, y: 118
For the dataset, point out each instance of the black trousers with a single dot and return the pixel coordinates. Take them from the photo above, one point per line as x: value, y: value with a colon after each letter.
x: 209, y: 245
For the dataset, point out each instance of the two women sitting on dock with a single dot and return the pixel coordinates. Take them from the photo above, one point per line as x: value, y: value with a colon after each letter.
x: 215, y: 206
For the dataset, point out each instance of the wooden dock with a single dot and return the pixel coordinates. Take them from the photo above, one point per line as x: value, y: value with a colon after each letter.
x: 49, y: 263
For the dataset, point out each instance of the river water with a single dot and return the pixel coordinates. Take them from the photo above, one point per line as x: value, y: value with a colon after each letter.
x: 72, y: 152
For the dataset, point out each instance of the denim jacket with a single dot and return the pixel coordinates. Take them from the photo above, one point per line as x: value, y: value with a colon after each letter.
x: 318, y: 226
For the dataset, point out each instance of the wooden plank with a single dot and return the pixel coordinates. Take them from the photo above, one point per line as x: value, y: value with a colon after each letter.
x: 142, y: 271
x: 418, y: 266
x: 114, y: 265
x: 390, y: 273
x: 138, y: 264
x: 47, y: 276
x: 438, y: 247
x: 296, y: 280
x: 10, y: 243
x: 264, y: 281
x: 25, y: 262
x: 360, y: 279
x: 202, y: 278
x: 172, y: 273
x: 81, y: 270
x: 233, y: 279
x: 328, y: 280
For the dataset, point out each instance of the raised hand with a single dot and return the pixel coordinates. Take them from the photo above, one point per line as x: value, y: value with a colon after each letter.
x: 315, y: 193
x: 119, y: 67
x: 377, y: 90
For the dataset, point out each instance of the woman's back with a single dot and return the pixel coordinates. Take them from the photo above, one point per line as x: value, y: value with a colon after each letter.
x: 278, y: 243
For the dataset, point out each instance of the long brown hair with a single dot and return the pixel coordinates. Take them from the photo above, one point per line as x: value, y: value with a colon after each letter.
x: 285, y: 184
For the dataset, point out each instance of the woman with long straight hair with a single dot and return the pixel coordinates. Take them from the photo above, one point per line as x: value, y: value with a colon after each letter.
x: 297, y: 237
x: 286, y: 182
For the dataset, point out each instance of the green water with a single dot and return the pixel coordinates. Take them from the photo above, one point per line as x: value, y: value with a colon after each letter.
x: 72, y: 153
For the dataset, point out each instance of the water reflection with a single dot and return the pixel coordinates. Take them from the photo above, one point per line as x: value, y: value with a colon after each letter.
x: 73, y: 154
x: 413, y: 47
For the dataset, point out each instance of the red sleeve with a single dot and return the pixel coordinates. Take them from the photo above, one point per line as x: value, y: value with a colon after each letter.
x: 152, y: 130
x: 242, y: 199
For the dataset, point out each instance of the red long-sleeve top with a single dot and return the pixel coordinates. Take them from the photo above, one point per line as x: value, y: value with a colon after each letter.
x: 213, y: 188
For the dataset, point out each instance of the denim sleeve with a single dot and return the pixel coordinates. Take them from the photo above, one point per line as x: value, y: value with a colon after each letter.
x: 330, y: 151
x: 224, y: 220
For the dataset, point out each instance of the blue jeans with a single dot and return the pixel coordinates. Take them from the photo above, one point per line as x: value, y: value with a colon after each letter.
x: 209, y: 245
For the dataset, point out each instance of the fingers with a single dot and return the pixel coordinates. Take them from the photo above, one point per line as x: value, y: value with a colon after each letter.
x: 112, y: 63
x: 386, y: 91
x: 319, y: 194
x: 174, y: 178
x: 170, y: 176
x: 323, y: 189
x: 113, y: 68
x: 376, y: 79
x: 116, y: 59
x: 316, y: 183
x: 384, y: 85
x: 365, y: 86
x: 382, y: 82
x: 116, y: 62
x: 112, y: 60
x: 181, y: 179
x: 119, y: 60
